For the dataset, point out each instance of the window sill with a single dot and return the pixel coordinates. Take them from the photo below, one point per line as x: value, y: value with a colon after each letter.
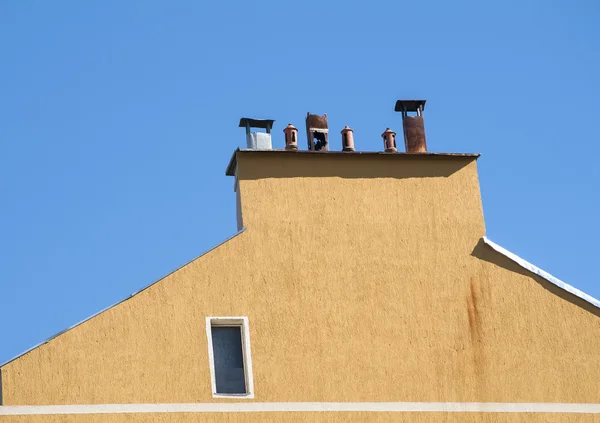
x: 234, y: 396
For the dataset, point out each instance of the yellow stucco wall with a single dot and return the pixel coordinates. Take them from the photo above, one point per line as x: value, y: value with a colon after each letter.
x: 364, y: 279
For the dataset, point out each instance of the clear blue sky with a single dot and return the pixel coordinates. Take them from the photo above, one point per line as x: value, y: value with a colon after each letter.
x: 119, y: 118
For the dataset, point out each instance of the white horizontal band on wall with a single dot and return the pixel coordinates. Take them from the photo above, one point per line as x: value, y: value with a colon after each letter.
x: 278, y: 407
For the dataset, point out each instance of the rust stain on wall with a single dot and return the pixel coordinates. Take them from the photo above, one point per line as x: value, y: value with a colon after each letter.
x: 473, y: 312
x: 476, y: 335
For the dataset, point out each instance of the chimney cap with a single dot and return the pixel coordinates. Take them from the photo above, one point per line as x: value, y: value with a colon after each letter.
x: 256, y: 123
x: 347, y: 129
x: 316, y: 121
x: 409, y: 105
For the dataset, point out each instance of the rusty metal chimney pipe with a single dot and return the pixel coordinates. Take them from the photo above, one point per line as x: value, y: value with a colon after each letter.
x: 291, y: 137
x: 413, y: 126
x: 347, y: 139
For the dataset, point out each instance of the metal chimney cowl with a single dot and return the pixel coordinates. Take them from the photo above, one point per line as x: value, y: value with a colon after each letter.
x: 317, y: 132
x: 258, y: 140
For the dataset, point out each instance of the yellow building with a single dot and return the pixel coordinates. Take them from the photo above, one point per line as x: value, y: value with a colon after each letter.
x: 360, y: 287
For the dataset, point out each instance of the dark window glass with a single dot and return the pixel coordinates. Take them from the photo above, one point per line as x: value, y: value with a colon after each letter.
x: 229, y: 359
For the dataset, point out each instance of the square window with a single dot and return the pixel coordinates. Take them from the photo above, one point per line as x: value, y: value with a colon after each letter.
x: 229, y: 354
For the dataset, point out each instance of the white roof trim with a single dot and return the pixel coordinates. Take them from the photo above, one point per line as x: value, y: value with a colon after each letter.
x: 534, y: 269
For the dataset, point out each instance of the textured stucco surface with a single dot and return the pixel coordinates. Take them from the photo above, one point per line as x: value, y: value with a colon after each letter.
x: 364, y: 279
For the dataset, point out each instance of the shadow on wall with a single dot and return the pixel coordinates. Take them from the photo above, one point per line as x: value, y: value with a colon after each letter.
x: 348, y: 165
x: 0, y: 387
x: 486, y: 253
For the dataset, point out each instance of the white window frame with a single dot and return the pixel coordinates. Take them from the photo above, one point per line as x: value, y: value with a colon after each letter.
x: 242, y: 322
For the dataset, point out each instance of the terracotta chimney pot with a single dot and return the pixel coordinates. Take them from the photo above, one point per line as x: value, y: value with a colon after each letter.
x: 389, y: 141
x: 291, y: 137
x: 347, y: 139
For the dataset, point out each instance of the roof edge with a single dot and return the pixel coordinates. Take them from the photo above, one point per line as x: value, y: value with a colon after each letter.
x: 118, y: 302
x: 230, y: 171
x: 543, y: 274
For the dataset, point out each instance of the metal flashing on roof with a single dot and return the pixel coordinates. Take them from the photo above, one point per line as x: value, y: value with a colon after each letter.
x: 230, y: 171
x: 541, y: 273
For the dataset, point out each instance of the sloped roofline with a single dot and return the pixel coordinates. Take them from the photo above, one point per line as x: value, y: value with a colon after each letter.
x: 534, y: 269
x: 520, y: 261
x: 117, y: 303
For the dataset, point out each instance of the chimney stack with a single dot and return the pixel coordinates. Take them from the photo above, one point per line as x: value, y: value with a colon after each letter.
x: 258, y: 140
x: 317, y: 132
x: 347, y: 139
x: 291, y: 137
x: 413, y: 126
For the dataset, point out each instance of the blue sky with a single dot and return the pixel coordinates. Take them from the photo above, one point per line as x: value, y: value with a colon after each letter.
x: 119, y: 118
